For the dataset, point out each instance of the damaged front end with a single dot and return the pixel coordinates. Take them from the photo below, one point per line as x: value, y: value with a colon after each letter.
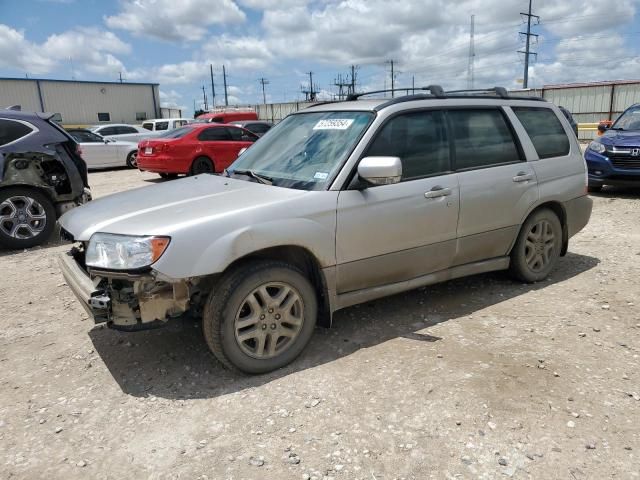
x: 128, y: 301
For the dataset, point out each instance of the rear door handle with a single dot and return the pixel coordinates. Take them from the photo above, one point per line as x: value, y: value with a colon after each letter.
x: 438, y: 191
x: 522, y: 177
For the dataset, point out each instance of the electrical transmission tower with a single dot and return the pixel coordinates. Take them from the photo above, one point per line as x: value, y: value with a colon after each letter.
x: 472, y: 55
x: 263, y: 81
x: 527, y: 52
x: 344, y: 86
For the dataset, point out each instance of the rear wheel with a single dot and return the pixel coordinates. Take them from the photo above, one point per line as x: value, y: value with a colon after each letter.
x: 595, y: 188
x: 27, y: 218
x: 537, y: 248
x: 132, y: 159
x: 260, y: 316
x: 202, y: 165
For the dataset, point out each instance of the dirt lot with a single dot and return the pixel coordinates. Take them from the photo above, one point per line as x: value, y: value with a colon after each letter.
x: 476, y: 378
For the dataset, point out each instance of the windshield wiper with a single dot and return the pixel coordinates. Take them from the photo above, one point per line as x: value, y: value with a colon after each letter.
x: 256, y: 176
x: 620, y: 129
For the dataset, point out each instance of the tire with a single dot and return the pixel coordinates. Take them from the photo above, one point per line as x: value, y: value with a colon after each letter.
x: 537, y: 248
x: 27, y: 218
x: 594, y: 188
x: 242, y: 338
x: 132, y: 159
x: 169, y: 176
x: 202, y: 165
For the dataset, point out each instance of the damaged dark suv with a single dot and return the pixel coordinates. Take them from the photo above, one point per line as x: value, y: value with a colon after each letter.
x: 42, y: 175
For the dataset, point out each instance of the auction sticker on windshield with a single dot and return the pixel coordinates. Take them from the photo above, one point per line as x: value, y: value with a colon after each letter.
x: 321, y: 175
x: 334, y: 124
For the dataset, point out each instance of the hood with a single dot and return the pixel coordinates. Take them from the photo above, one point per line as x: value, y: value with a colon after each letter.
x: 620, y: 138
x: 164, y: 208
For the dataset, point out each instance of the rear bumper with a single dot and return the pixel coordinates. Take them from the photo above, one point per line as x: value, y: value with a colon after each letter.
x: 159, y: 164
x: 578, y: 213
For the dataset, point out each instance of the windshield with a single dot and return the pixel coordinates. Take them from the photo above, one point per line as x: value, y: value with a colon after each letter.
x: 177, y: 133
x: 305, y: 150
x: 629, y: 120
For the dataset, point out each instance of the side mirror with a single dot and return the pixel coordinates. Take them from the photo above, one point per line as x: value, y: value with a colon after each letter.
x: 380, y: 170
x: 602, y: 128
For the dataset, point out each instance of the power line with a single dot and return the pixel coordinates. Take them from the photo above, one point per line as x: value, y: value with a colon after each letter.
x: 527, y: 52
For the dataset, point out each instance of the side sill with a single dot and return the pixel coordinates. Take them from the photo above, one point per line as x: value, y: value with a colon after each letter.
x: 360, y: 296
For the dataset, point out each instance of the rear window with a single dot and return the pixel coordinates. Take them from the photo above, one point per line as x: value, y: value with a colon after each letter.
x: 10, y: 131
x: 482, y: 138
x: 545, y: 130
x: 177, y: 133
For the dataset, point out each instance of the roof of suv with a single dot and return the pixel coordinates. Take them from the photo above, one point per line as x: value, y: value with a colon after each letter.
x: 496, y: 94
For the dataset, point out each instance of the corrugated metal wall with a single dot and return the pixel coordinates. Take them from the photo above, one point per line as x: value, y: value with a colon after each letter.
x: 167, y: 112
x: 274, y: 112
x: 590, y: 103
x: 19, y: 92
x: 80, y: 102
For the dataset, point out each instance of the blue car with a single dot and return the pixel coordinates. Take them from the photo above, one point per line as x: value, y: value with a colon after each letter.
x: 614, y: 158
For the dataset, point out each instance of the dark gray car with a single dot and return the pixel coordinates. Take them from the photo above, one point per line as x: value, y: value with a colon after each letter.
x: 42, y: 175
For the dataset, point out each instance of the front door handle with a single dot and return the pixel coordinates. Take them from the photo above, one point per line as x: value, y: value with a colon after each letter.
x: 438, y: 191
x: 522, y: 177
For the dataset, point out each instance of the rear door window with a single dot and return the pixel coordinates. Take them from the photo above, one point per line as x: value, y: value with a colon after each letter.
x: 162, y: 125
x: 148, y: 126
x: 419, y: 139
x: 214, y: 135
x: 545, y: 131
x: 482, y: 138
x: 10, y: 131
x: 105, y: 132
x: 124, y: 130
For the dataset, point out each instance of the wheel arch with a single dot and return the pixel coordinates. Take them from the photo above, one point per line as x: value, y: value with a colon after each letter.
x: 302, y: 259
x: 556, y: 207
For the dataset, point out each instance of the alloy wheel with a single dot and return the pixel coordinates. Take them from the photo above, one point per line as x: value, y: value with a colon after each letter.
x: 269, y: 320
x: 22, y: 217
x: 539, y: 245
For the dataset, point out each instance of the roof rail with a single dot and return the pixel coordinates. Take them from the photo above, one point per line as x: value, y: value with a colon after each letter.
x: 435, y: 90
x: 499, y: 91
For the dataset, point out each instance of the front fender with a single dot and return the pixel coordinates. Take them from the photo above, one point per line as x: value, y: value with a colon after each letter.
x: 317, y: 238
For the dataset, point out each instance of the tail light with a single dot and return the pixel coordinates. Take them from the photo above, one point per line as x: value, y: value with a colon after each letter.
x: 78, y: 150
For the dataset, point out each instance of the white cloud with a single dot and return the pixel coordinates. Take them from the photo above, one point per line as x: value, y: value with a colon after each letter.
x: 17, y: 52
x: 174, y: 20
x: 90, y: 49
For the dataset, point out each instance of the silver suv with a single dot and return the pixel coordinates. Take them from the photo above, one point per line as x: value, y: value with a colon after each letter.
x: 336, y: 205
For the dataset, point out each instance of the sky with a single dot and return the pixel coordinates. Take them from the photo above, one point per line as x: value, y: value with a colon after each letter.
x: 173, y: 43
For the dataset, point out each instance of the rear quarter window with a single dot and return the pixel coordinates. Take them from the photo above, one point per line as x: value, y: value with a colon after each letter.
x: 545, y: 131
x: 10, y: 131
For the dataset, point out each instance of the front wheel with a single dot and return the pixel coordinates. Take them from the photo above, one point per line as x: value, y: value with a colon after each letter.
x: 132, y: 159
x: 260, y: 317
x: 537, y: 248
x: 27, y: 218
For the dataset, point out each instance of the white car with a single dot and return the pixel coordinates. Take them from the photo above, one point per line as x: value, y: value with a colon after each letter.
x: 123, y: 132
x: 100, y: 152
x: 162, y: 125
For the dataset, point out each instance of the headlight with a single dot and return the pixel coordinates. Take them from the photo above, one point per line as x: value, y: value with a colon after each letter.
x: 124, y: 252
x: 597, y: 147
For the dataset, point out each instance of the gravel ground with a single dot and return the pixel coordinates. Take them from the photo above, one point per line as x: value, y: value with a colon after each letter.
x: 475, y: 378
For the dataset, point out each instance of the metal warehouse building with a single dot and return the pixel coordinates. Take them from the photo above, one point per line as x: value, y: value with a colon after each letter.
x: 83, y: 103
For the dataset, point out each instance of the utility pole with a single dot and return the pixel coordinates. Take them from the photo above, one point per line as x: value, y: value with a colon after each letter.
x: 204, y: 97
x: 213, y: 88
x: 224, y: 76
x: 353, y: 79
x: 263, y: 81
x: 472, y: 55
x: 413, y: 84
x: 393, y: 79
x: 120, y: 76
x: 527, y: 52
x: 310, y: 95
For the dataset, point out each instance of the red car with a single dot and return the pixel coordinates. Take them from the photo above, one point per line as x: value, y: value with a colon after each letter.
x: 193, y: 149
